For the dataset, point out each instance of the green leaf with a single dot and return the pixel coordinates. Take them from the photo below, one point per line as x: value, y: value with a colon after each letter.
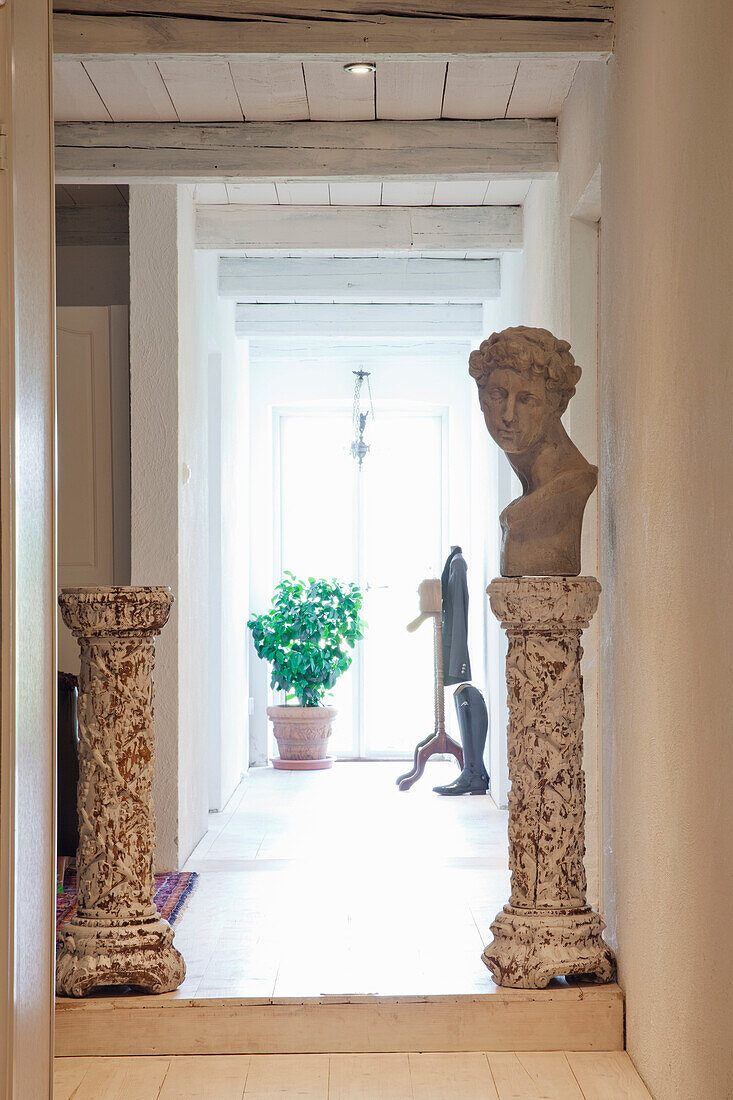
x: 307, y: 634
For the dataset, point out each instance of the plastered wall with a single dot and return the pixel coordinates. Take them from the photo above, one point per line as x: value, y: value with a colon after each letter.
x: 169, y: 447
x: 667, y: 461
x: 560, y: 293
x: 154, y: 471
x: 194, y: 687
x: 657, y: 118
x: 228, y: 534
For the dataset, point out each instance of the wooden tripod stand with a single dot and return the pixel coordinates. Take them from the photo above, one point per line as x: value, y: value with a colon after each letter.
x: 431, y: 607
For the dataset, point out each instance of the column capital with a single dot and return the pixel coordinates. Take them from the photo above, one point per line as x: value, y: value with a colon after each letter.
x: 119, y: 610
x: 544, y: 603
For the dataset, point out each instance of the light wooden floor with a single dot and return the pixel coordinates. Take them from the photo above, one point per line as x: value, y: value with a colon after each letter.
x: 335, y: 882
x: 556, y: 1076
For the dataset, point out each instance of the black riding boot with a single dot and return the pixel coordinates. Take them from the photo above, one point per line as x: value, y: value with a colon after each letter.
x: 473, y: 722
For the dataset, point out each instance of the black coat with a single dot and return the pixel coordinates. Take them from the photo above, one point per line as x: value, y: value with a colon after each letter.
x: 456, y: 662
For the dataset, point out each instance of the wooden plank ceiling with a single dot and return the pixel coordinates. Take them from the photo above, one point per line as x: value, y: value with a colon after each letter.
x: 344, y: 193
x: 348, y: 193
x: 281, y: 61
x: 287, y: 91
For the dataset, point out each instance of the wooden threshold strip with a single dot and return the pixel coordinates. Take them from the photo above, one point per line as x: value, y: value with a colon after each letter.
x: 579, y: 1018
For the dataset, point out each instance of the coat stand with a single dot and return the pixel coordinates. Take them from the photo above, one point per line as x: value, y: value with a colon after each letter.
x: 431, y: 607
x: 116, y: 936
x: 547, y: 930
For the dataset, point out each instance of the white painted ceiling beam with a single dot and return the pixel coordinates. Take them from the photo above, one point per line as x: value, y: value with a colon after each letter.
x: 415, y: 30
x: 330, y: 280
x: 335, y: 350
x: 357, y: 323
x: 358, y: 230
x: 139, y: 152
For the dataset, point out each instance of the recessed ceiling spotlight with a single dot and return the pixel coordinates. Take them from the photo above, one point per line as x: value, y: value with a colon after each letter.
x: 360, y: 67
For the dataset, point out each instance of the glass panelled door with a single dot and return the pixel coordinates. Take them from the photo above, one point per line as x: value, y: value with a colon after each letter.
x: 383, y: 528
x: 318, y: 515
x: 400, y: 497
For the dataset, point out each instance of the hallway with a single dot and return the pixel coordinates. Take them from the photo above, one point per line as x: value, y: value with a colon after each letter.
x: 335, y: 882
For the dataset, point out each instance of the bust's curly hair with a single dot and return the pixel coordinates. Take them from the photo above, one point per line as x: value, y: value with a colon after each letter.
x: 528, y: 349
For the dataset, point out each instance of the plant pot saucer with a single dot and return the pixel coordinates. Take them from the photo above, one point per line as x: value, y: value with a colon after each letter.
x: 302, y: 765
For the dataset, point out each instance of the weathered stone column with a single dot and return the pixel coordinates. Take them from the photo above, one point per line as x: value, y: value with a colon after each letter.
x: 547, y: 929
x: 116, y: 936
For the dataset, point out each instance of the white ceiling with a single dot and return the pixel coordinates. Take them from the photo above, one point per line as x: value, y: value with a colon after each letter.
x: 349, y: 193
x: 358, y: 323
x: 220, y: 91
x: 268, y: 91
x: 337, y: 281
x: 343, y: 193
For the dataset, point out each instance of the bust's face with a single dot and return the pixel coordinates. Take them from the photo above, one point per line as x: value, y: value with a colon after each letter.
x: 518, y: 410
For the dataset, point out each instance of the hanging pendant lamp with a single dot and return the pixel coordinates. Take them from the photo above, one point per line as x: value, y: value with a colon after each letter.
x: 359, y: 448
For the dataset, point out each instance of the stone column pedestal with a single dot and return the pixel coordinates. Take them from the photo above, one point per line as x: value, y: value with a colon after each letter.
x: 116, y: 936
x: 547, y: 929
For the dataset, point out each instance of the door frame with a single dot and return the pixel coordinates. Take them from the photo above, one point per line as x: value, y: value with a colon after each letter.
x: 27, y: 543
x: 28, y: 559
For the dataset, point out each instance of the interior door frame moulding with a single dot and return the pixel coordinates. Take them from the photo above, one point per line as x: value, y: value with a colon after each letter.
x: 398, y: 30
x: 27, y: 554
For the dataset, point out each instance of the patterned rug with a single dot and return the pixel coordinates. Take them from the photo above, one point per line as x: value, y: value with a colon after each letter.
x: 171, y: 894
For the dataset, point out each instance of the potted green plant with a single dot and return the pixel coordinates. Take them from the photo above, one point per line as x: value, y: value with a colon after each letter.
x: 307, y: 636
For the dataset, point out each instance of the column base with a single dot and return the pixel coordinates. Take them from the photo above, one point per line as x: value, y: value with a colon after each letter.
x: 137, y: 953
x: 532, y: 946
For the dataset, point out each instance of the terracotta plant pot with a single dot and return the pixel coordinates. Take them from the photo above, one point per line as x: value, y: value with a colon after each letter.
x: 302, y: 735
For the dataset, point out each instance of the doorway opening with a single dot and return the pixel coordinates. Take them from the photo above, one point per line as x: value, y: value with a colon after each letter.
x: 387, y: 867
x: 264, y: 482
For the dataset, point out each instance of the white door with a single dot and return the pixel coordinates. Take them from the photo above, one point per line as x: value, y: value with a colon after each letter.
x: 85, y: 511
x: 383, y: 528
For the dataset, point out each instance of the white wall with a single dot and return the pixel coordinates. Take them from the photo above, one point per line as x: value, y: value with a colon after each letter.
x: 194, y: 671
x: 667, y: 494
x: 169, y: 544
x: 659, y: 121
x: 228, y: 530
x: 561, y: 294
x: 235, y: 553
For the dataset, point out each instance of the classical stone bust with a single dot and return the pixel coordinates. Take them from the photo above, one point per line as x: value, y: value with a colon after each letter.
x: 525, y: 379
